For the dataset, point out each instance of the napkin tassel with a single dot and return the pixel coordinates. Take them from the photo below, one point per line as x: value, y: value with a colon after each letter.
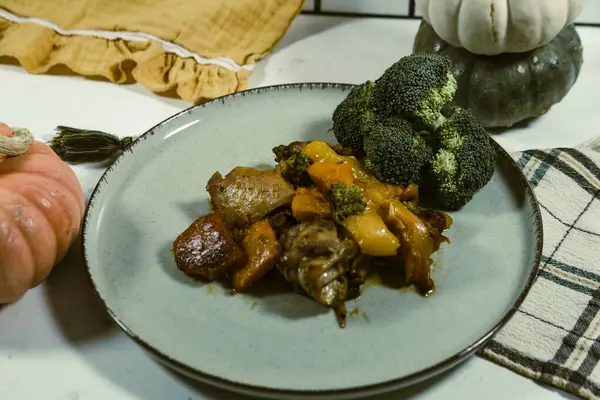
x: 76, y: 146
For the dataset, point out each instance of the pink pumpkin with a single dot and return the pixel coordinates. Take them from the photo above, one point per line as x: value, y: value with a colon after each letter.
x: 41, y: 209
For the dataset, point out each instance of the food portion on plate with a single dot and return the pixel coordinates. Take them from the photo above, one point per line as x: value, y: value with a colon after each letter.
x: 319, y: 219
x: 327, y: 216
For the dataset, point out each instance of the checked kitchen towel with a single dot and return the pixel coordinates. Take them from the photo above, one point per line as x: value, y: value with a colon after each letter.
x: 555, y: 335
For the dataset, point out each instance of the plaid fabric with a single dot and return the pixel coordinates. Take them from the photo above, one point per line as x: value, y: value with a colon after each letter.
x: 555, y: 335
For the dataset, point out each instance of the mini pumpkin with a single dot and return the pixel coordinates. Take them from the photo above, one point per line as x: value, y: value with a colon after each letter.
x: 506, y: 89
x: 492, y: 27
x: 41, y: 209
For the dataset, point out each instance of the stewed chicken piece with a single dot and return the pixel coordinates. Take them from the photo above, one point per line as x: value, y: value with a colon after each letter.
x: 246, y: 195
x: 317, y: 258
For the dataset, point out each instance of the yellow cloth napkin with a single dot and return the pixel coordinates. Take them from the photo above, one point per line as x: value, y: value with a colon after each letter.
x: 200, y: 49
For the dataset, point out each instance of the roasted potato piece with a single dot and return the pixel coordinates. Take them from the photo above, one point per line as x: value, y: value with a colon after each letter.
x: 318, y: 150
x: 377, y: 193
x: 310, y: 204
x: 207, y: 249
x: 246, y: 195
x: 262, y: 251
x: 372, y: 235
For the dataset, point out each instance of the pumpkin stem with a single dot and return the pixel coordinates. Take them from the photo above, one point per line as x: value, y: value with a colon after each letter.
x: 16, y: 145
x: 77, y: 146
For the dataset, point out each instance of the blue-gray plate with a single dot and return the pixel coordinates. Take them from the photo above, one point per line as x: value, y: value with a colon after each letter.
x: 285, y: 345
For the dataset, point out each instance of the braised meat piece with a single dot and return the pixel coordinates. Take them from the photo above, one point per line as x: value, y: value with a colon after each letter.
x: 263, y: 251
x: 246, y: 195
x: 316, y: 259
x: 282, y: 220
x: 417, y: 243
x: 437, y: 222
x: 346, y: 151
x: 358, y: 275
x: 207, y: 249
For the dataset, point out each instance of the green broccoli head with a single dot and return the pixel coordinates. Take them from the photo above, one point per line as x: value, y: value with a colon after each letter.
x: 346, y: 200
x: 416, y: 87
x: 464, y: 162
x: 406, y: 129
x: 354, y: 117
x: 394, y: 153
x: 294, y: 170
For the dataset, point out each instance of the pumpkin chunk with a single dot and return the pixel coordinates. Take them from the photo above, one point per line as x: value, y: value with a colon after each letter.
x: 324, y: 174
x: 262, y: 250
x: 310, y: 204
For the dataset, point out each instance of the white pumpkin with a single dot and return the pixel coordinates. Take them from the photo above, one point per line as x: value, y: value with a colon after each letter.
x: 491, y: 27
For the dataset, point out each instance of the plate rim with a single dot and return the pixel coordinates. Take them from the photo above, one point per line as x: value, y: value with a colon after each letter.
x: 384, y: 386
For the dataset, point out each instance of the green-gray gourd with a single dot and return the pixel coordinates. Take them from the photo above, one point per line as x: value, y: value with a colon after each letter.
x: 507, y: 89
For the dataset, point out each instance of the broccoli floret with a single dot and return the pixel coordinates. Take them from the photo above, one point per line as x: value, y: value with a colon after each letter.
x: 294, y: 170
x: 285, y: 151
x: 464, y: 161
x: 406, y: 129
x: 416, y: 87
x: 346, y: 200
x: 353, y: 118
x: 394, y: 153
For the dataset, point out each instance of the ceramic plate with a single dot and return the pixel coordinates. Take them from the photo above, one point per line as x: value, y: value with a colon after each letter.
x: 284, y: 345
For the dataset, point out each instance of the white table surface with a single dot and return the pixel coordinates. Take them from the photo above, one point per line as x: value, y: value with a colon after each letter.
x: 56, y: 343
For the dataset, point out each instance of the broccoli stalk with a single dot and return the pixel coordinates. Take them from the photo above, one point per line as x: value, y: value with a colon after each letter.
x: 346, y: 200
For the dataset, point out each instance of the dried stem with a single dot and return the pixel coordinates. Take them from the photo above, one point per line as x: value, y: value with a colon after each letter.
x: 18, y: 144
